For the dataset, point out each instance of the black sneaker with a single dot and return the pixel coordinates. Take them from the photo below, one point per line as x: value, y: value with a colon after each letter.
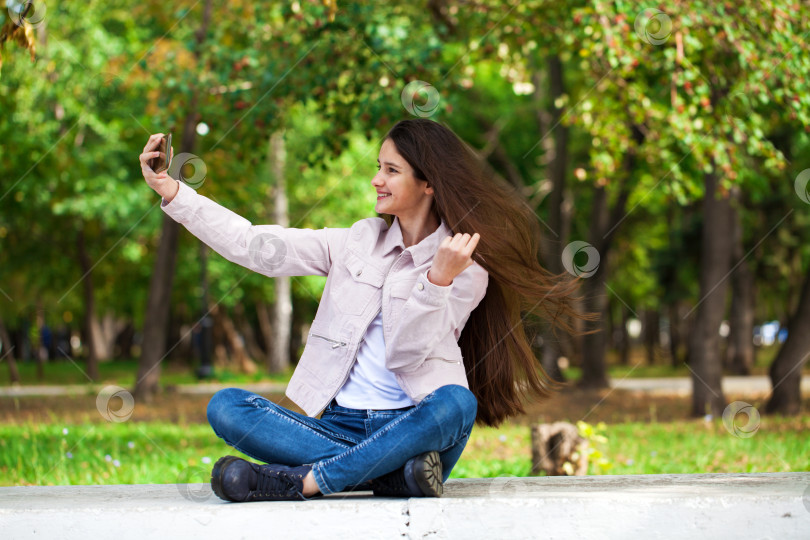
x: 421, y: 476
x: 238, y: 480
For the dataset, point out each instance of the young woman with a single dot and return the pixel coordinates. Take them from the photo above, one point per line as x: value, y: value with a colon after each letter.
x: 419, y: 333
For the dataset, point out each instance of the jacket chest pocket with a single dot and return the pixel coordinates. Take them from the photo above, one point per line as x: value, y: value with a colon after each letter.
x: 360, y: 284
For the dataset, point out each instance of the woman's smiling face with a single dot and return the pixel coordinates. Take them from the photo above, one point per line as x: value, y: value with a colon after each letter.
x: 407, y: 195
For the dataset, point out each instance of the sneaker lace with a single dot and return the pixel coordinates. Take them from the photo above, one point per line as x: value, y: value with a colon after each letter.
x: 275, y: 483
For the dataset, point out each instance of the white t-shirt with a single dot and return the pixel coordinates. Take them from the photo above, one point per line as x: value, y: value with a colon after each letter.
x: 370, y: 384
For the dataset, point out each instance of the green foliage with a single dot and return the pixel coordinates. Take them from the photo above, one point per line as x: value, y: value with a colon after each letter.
x: 595, y: 450
x: 57, y: 453
x: 685, y: 447
x: 719, y: 87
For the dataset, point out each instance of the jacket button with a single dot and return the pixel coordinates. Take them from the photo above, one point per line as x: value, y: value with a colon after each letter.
x: 420, y: 286
x: 359, y: 272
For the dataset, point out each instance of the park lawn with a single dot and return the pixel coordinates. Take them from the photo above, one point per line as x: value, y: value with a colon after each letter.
x: 165, y: 453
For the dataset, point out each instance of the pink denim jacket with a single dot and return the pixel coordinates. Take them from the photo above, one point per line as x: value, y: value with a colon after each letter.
x: 367, y: 268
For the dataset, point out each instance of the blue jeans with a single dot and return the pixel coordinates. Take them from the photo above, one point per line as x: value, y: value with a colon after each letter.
x: 346, y: 447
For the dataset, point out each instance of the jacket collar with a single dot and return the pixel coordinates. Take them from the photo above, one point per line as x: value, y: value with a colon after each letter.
x: 422, y: 251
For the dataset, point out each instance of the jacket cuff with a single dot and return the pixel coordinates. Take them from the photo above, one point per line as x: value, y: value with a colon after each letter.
x: 180, y: 206
x: 428, y: 292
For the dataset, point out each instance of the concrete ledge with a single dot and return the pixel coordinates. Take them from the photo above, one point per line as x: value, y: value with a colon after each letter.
x: 682, y: 386
x: 717, y: 506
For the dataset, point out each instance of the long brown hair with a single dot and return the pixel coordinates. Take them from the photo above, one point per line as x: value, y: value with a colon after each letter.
x: 498, y: 358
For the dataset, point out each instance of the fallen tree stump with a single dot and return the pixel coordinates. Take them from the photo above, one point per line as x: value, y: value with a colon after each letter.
x: 558, y: 450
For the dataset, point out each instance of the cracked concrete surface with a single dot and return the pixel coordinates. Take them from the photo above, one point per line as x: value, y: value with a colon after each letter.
x: 764, y: 505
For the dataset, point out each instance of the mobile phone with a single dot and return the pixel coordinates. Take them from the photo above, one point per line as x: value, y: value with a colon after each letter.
x: 162, y: 162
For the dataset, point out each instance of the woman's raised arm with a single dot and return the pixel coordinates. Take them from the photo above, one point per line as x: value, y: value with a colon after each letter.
x: 271, y: 250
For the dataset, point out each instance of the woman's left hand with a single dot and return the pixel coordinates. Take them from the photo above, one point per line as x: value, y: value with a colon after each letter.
x: 452, y: 257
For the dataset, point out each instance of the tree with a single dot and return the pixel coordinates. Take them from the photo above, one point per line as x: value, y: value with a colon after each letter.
x: 786, y: 370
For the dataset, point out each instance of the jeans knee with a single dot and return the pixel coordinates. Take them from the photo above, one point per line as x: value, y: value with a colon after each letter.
x: 466, y: 404
x: 219, y: 406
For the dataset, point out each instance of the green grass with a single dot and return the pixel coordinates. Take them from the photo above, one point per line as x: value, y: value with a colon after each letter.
x: 163, y: 453
x: 694, y: 446
x: 139, y: 453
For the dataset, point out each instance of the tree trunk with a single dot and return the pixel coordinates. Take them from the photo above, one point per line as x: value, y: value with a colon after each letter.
x: 278, y: 355
x: 246, y: 330
x: 715, y: 262
x: 298, y: 337
x: 651, y: 329
x: 219, y: 339
x: 105, y: 333
x: 124, y: 341
x: 86, y: 266
x: 786, y: 369
x: 7, y: 354
x: 559, y: 218
x: 740, y: 351
x: 39, y: 321
x: 550, y: 356
x: 604, y: 223
x: 674, y: 334
x: 239, y: 357
x: 265, y: 328
x: 559, y: 208
x: 594, y: 370
x: 158, y: 304
x: 156, y: 322
x: 624, y: 345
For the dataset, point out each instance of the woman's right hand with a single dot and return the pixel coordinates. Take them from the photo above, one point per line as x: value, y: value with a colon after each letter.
x: 165, y: 186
